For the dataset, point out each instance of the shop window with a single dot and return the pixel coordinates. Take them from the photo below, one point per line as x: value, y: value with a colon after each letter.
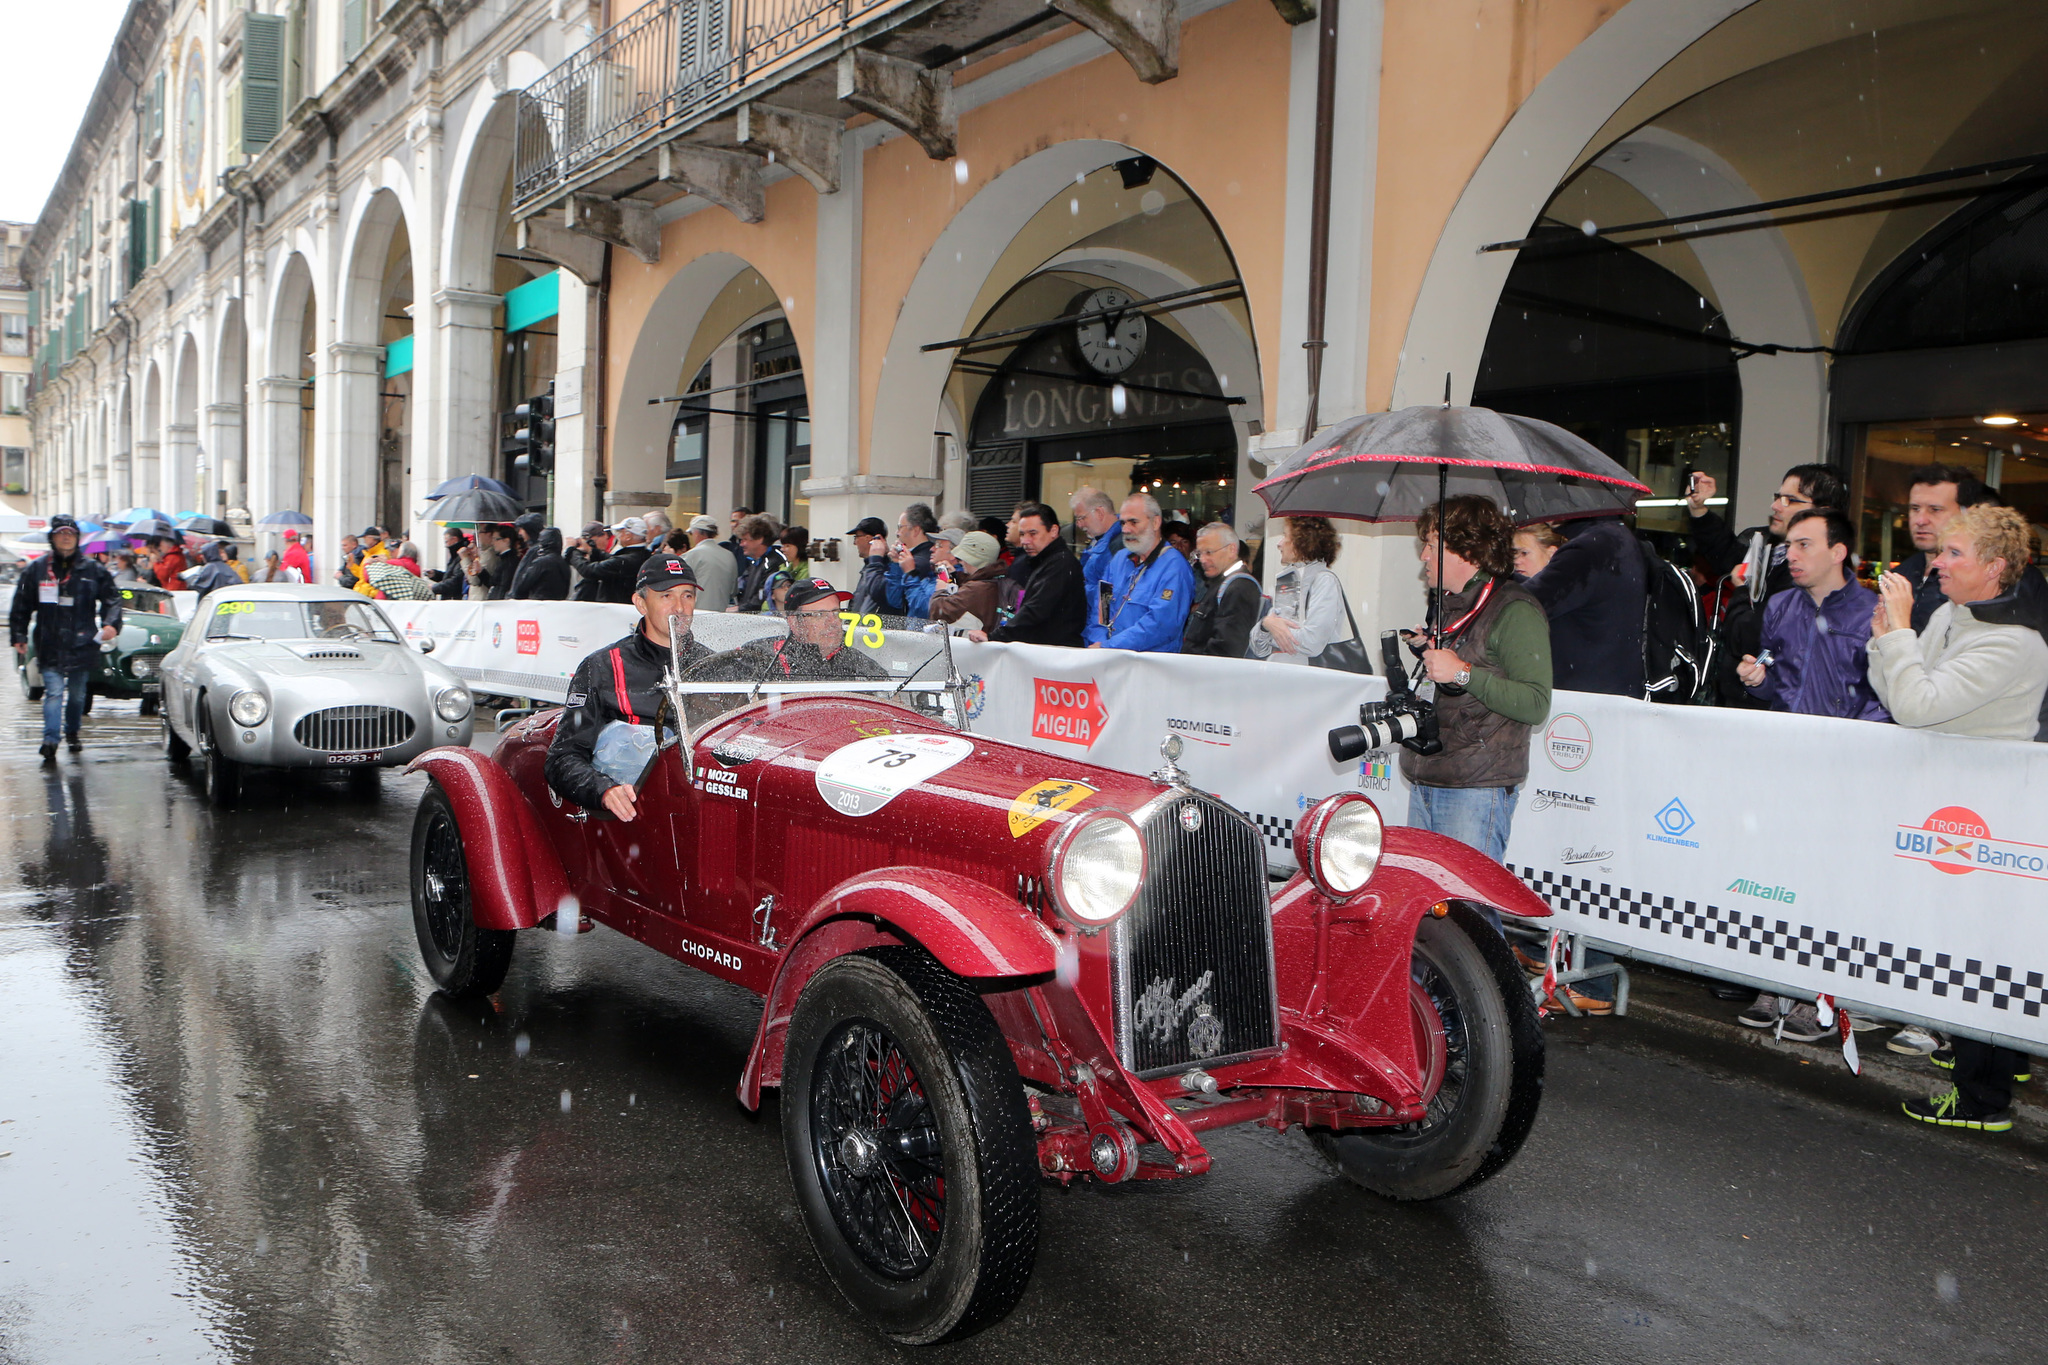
x: 2010, y: 453
x: 688, y: 445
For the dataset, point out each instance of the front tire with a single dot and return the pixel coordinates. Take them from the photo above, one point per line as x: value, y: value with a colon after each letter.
x: 223, y: 775
x: 175, y: 750
x: 463, y: 959
x: 1488, y: 1049
x: 910, y: 1145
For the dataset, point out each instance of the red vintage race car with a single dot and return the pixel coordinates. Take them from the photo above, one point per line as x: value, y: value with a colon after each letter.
x: 985, y: 967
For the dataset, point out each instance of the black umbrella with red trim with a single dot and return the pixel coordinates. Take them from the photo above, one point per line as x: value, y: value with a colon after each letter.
x: 1394, y: 466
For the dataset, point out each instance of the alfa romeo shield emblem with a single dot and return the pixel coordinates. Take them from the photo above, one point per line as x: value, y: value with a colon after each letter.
x: 1191, y: 817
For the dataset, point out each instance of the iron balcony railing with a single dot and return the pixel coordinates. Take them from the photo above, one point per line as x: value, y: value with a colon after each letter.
x: 662, y: 67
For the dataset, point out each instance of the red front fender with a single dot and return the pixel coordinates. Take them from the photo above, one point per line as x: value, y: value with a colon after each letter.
x: 1461, y: 872
x: 515, y: 879
x: 973, y: 930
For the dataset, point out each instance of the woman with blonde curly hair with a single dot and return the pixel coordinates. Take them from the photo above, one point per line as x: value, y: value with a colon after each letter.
x: 1980, y: 667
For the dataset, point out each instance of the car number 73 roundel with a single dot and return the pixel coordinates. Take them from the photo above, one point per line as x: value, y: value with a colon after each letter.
x: 868, y: 774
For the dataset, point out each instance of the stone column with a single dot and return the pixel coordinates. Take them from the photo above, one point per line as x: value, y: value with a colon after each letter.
x: 345, y: 467
x: 181, y: 441
x: 573, y: 493
x: 466, y: 413
x: 224, y: 450
x: 832, y: 371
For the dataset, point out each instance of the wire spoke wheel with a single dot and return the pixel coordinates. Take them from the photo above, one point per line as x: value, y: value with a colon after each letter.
x: 910, y: 1145
x: 880, y: 1155
x: 1479, y: 1053
x: 462, y: 957
x: 447, y: 885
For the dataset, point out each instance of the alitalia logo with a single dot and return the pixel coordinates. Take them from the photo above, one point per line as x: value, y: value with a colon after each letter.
x: 1746, y: 887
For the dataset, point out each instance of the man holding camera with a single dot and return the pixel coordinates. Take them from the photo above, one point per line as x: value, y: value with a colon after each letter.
x: 1491, y: 669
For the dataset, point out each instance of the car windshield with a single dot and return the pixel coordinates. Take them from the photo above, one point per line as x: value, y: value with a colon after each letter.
x: 820, y: 649
x: 147, y: 599
x: 297, y: 620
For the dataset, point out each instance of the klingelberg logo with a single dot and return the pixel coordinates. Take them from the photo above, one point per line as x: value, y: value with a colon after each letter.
x: 1674, y: 822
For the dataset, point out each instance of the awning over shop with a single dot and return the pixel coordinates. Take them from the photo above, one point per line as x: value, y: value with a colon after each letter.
x: 535, y: 301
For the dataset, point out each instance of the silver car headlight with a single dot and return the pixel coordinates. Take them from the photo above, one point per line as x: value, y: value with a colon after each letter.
x: 1338, y: 843
x: 1095, y: 866
x: 143, y: 666
x: 247, y: 708
x: 452, y: 703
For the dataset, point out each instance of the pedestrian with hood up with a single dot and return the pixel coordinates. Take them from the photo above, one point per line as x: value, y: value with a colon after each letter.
x: 213, y: 572
x: 67, y: 603
x: 543, y: 574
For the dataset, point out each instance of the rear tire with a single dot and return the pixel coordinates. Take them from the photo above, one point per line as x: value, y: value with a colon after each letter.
x: 464, y: 960
x: 910, y: 1145
x: 175, y: 750
x: 1493, y: 1071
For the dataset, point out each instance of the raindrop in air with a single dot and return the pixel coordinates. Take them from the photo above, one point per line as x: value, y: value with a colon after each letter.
x: 262, y: 1244
x: 1590, y: 228
x: 959, y: 172
x: 566, y: 1102
x: 1945, y: 1287
x: 1591, y: 1268
x: 632, y: 1099
x: 1074, y: 207
x: 1382, y: 488
x: 1119, y: 399
x: 522, y: 1045
x: 1153, y: 203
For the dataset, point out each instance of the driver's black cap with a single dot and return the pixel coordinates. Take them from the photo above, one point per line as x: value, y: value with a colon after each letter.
x: 661, y: 572
x: 63, y: 521
x: 805, y: 591
x: 869, y: 526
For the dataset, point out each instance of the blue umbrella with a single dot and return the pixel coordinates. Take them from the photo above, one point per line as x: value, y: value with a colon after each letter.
x: 288, y: 517
x: 135, y: 514
x: 469, y: 483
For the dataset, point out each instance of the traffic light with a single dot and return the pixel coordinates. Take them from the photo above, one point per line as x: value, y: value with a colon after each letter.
x: 535, y: 436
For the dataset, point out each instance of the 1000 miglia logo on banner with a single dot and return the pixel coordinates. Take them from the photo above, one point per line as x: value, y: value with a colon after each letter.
x: 1956, y: 840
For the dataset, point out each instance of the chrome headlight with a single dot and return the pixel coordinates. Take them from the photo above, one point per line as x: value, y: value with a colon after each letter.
x: 247, y: 708
x: 452, y: 703
x: 1095, y: 866
x: 143, y: 666
x: 1338, y: 843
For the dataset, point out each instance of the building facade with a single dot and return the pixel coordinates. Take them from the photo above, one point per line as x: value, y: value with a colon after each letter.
x: 827, y: 260
x: 14, y: 370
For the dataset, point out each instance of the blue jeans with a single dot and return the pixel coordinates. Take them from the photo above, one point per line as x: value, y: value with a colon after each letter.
x: 64, y: 701
x: 1478, y: 816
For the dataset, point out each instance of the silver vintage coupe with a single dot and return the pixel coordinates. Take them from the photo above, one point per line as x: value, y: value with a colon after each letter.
x: 293, y: 675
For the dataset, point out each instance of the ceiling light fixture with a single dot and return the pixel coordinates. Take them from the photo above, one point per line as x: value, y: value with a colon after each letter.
x: 1999, y: 420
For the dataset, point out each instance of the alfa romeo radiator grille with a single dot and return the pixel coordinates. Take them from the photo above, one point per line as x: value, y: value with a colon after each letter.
x: 353, y: 729
x: 1195, y: 954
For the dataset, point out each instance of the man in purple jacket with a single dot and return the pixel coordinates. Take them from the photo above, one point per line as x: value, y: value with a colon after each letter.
x: 1816, y: 634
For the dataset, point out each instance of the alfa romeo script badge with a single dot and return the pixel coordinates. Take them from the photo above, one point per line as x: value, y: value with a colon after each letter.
x: 1191, y: 817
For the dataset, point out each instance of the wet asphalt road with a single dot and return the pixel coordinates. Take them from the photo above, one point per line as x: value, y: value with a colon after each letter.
x: 241, y: 1127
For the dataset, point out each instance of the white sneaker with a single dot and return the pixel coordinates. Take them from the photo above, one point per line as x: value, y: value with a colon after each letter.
x: 1762, y: 1012
x: 1913, y: 1041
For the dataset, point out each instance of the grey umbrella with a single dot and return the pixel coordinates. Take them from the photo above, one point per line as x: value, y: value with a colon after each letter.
x: 1393, y: 466
x: 477, y: 505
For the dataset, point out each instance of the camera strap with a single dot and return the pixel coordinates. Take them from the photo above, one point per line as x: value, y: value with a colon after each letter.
x: 1457, y: 627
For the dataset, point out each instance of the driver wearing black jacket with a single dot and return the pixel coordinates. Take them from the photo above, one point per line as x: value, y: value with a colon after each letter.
x: 622, y: 681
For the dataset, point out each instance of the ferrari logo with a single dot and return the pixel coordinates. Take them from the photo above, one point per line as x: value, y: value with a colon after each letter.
x: 1035, y: 805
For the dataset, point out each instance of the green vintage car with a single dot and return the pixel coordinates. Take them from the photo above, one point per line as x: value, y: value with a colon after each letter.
x: 150, y: 629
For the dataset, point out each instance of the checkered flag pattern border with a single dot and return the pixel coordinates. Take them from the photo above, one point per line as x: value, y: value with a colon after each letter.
x: 1757, y: 935
x: 1278, y: 830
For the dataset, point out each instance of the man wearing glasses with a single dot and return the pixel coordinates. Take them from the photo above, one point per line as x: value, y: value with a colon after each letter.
x: 1755, y: 560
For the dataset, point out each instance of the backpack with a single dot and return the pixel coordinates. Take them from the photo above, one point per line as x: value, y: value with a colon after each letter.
x: 1674, y: 644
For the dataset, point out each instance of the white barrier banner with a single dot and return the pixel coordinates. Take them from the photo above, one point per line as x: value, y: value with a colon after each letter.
x: 1900, y: 872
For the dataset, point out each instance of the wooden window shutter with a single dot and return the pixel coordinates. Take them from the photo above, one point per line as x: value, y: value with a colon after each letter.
x: 263, y: 47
